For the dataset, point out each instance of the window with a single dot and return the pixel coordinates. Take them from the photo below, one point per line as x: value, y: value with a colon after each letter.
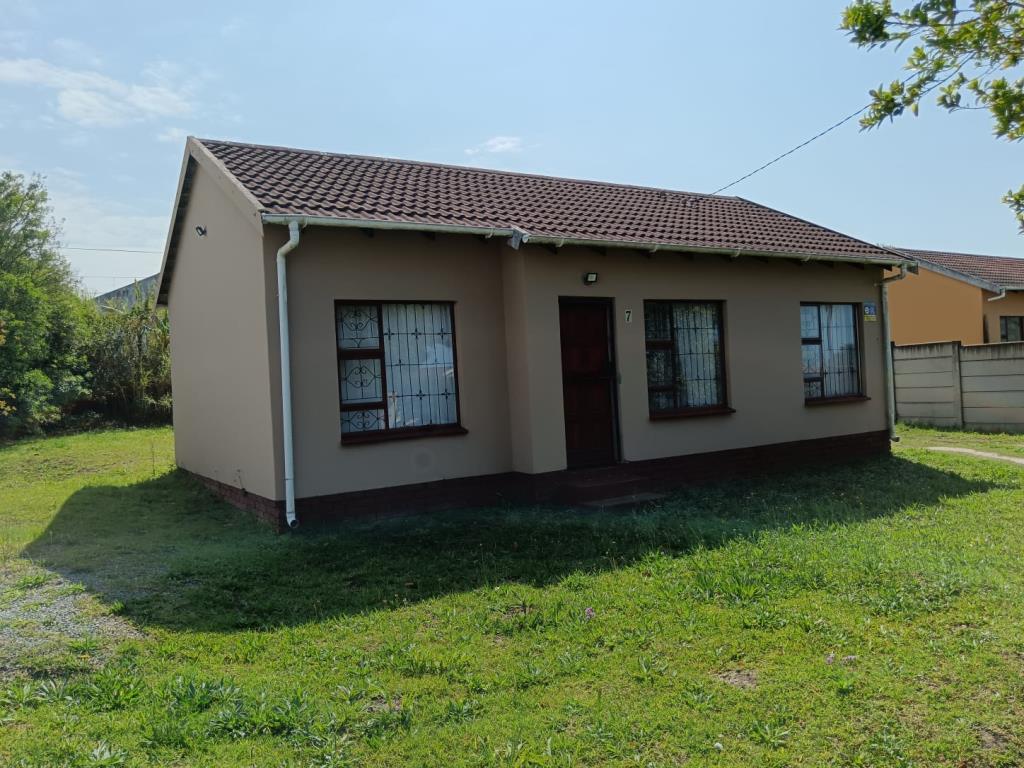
x: 396, y: 369
x: 831, y: 354
x: 1011, y: 328
x: 685, y: 357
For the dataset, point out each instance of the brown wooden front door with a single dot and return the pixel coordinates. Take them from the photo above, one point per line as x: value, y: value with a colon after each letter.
x: 588, y: 381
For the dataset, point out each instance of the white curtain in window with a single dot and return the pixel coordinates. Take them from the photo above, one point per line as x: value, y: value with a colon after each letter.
x: 419, y: 365
x: 839, y: 350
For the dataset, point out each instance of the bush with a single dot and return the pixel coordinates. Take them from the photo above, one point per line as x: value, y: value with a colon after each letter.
x: 43, y: 317
x: 129, y: 362
x: 63, y: 361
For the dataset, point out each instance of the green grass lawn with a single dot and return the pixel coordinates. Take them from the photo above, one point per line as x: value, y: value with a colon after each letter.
x: 863, y: 616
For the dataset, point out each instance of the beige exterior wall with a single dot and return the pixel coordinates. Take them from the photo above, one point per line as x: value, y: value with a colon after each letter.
x: 509, y: 358
x: 332, y: 264
x: 1012, y: 304
x: 930, y: 307
x: 762, y: 318
x: 219, y: 348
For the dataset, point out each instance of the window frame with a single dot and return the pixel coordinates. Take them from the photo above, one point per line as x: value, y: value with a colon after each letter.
x: 1004, y: 324
x: 857, y: 397
x: 649, y: 344
x: 369, y: 353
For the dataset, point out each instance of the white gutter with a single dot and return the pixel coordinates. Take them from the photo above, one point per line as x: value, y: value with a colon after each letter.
x: 286, y: 374
x: 518, y: 237
x: 733, y: 253
x: 890, y: 384
x: 330, y: 221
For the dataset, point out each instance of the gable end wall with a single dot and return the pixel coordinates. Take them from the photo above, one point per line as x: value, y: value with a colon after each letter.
x: 220, y: 371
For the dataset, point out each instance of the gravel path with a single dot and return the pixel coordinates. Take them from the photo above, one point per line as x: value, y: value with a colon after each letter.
x: 50, y: 626
x: 979, y: 454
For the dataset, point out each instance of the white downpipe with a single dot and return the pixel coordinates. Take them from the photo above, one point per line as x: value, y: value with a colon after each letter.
x: 890, y: 385
x: 286, y: 374
x: 998, y: 296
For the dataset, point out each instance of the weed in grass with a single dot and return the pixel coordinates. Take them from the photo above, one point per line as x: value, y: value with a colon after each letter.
x: 112, y: 688
x: 461, y: 711
x: 412, y: 661
x: 260, y: 716
x: 84, y: 646
x: 249, y: 648
x: 771, y: 734
x: 766, y: 618
x: 169, y: 733
x: 650, y: 668
x: 883, y: 748
x: 19, y: 696
x: 528, y: 675
x: 187, y: 695
x: 105, y: 756
x: 845, y: 683
x: 56, y: 690
x: 33, y: 580
x: 698, y: 696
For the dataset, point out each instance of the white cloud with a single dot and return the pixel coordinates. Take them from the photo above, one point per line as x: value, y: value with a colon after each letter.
x: 91, y: 99
x: 172, y: 135
x: 91, y: 222
x: 497, y: 145
x: 77, y: 51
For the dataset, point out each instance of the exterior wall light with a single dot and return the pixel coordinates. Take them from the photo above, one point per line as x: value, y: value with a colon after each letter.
x: 589, y: 278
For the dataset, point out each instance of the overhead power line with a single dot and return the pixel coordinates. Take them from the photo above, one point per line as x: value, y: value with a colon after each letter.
x: 114, y: 277
x: 798, y: 147
x: 115, y: 250
x: 832, y: 127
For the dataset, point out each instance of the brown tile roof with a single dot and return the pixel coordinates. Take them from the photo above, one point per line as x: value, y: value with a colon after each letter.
x: 307, y: 183
x: 1003, y: 271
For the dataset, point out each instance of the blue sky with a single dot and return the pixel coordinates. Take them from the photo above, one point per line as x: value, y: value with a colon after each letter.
x: 98, y: 97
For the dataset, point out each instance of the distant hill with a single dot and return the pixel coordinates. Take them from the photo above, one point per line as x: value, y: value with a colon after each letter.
x: 127, y: 295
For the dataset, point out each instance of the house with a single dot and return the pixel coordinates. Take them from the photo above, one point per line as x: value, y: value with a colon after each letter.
x: 958, y: 297
x: 454, y: 335
x: 128, y: 295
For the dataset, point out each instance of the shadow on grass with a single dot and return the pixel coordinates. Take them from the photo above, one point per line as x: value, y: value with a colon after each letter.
x: 176, y: 557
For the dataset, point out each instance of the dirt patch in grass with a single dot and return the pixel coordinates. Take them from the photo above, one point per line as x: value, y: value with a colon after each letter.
x: 993, y: 739
x: 739, y: 678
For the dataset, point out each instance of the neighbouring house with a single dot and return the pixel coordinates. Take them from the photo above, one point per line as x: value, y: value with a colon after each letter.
x: 958, y: 297
x: 455, y: 335
x: 128, y: 295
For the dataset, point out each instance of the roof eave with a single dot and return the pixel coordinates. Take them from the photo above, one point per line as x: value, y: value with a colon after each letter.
x: 197, y: 154
x: 524, y: 237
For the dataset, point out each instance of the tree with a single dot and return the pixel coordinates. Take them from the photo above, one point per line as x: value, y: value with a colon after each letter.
x: 970, y: 55
x: 129, y: 360
x: 42, y: 315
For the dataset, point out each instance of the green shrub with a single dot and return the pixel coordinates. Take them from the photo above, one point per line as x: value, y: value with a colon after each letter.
x: 128, y: 358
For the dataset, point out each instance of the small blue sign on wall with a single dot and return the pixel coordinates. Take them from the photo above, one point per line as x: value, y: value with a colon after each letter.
x: 870, y: 312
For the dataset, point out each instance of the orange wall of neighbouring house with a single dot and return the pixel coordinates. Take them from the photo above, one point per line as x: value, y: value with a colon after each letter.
x: 929, y: 307
x: 1012, y: 304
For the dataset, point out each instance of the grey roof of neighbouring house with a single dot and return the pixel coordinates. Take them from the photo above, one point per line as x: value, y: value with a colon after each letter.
x: 999, y: 271
x: 126, y: 295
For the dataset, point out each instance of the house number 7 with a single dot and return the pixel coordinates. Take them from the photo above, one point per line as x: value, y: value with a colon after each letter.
x: 629, y: 315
